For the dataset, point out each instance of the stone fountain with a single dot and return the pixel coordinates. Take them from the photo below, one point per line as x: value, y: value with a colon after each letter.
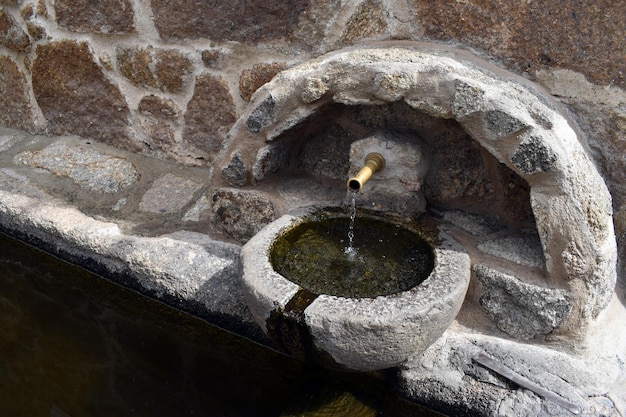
x: 504, y: 176
x: 362, y: 330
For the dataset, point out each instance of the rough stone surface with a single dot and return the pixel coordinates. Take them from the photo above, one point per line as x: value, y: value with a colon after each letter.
x: 229, y: 20
x: 36, y: 31
x: 241, y: 214
x: 251, y: 79
x: 212, y: 58
x: 601, y: 113
x: 368, y: 21
x: 514, y: 204
x: 159, y: 136
x: 158, y: 107
x: 502, y: 125
x: 467, y: 99
x: 391, y: 86
x: 326, y: 152
x: 270, y: 159
x: 523, y: 250
x: 173, y: 268
x: 302, y: 192
x: 397, y: 116
x: 109, y: 16
x: 27, y: 11
x: 157, y: 125
x: 41, y: 9
x: 470, y: 223
x: 261, y: 116
x: 452, y: 179
x: 533, y: 156
x: 315, y: 24
x: 528, y: 38
x: 199, y: 210
x: 168, y: 194
x: 92, y: 170
x: 15, y: 106
x: 576, y: 50
x: 210, y: 113
x: 398, y: 187
x: 519, y: 309
x: 166, y: 69
x: 235, y: 172
x: 71, y: 157
x: 75, y: 96
x: 314, y: 89
x: 447, y: 377
x: 12, y: 35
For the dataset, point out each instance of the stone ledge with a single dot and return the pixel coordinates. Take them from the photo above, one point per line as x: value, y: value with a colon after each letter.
x: 449, y: 370
x: 186, y: 270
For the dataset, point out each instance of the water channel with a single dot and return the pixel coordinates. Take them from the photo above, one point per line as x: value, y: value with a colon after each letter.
x: 73, y: 344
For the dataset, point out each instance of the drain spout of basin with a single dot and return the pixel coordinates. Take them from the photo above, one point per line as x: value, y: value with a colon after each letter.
x: 374, y: 162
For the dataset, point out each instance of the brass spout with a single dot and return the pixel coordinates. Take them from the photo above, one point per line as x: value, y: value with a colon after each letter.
x: 374, y: 162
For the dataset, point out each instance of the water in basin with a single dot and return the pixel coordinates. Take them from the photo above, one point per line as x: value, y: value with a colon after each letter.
x: 387, y: 258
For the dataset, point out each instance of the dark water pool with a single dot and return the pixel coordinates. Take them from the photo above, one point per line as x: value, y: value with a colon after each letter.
x: 73, y: 344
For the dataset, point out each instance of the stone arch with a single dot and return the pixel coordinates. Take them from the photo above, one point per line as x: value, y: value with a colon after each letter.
x: 507, y: 115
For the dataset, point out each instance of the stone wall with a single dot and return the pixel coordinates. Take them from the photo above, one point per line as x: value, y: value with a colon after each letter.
x: 170, y: 78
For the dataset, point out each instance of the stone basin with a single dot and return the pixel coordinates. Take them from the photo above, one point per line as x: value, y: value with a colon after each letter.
x: 354, y: 333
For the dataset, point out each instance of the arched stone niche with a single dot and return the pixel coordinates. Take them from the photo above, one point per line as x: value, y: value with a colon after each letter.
x: 507, y: 115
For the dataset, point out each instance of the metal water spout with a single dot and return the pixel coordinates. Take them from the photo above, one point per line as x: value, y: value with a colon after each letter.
x: 374, y: 162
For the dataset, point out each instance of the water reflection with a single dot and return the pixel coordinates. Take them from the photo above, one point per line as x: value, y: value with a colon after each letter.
x: 73, y: 344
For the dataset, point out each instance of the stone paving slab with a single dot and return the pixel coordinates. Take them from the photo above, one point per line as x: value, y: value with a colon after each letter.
x: 168, y: 194
x: 92, y: 170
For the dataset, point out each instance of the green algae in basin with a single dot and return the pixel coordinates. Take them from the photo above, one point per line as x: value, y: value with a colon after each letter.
x: 389, y: 258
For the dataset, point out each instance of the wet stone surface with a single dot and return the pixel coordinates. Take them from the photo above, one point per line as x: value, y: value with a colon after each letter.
x: 174, y: 266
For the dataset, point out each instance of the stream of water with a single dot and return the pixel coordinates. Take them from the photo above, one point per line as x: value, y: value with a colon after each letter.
x: 350, y: 250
